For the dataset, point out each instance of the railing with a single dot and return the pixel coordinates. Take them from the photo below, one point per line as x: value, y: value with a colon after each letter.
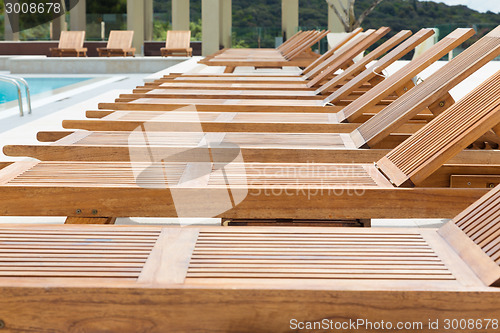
x: 17, y: 81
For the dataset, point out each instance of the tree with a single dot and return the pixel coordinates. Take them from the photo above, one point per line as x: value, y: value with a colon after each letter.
x: 347, y: 16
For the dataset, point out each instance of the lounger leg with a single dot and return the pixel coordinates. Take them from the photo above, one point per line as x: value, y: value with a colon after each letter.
x: 90, y: 220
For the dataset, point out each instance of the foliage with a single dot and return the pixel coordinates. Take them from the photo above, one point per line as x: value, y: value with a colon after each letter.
x: 195, y: 28
x: 346, y: 14
x: 106, y: 6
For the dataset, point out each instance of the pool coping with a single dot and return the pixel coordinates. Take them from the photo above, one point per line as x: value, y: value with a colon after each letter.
x: 11, y: 108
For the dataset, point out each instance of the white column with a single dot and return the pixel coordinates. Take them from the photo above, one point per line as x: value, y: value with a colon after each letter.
x: 57, y: 25
x: 180, y: 14
x: 135, y: 22
x: 334, y: 23
x: 148, y: 20
x: 289, y: 17
x: 78, y: 16
x: 8, y: 32
x: 226, y: 23
x: 210, y: 13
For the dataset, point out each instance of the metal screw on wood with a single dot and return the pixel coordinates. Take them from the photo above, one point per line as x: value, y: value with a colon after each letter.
x: 441, y: 104
x: 2, y: 324
x: 94, y: 211
x: 468, y: 183
x: 78, y: 211
x: 405, y: 89
x: 491, y: 185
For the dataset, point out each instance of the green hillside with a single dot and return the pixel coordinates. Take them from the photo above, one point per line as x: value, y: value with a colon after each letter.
x: 250, y: 15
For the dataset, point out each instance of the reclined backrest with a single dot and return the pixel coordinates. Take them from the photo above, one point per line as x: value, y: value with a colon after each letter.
x: 432, y: 90
x: 120, y: 39
x: 359, y: 66
x: 420, y: 155
x: 353, y: 41
x: 348, y: 55
x: 290, y: 40
x: 378, y: 67
x: 71, y: 39
x: 178, y: 39
x: 403, y: 76
x: 475, y: 235
x: 321, y: 60
x: 304, y: 45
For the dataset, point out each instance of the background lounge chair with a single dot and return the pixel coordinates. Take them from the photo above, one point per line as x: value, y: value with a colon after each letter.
x: 70, y: 45
x: 119, y: 44
x: 177, y: 43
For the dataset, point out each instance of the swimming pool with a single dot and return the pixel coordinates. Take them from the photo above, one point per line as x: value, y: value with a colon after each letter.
x: 38, y: 85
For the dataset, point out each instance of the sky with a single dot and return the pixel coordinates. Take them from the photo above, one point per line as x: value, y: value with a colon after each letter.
x: 479, y: 5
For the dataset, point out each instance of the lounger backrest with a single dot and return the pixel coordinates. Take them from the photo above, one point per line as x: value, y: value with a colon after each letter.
x: 411, y: 162
x: 431, y: 90
x: 178, y: 39
x: 71, y: 39
x: 306, y: 44
x: 290, y: 40
x: 296, y: 42
x: 321, y: 60
x: 357, y: 68
x: 475, y: 235
x: 403, y: 76
x: 120, y: 39
x: 376, y: 68
x: 341, y: 50
x: 348, y: 55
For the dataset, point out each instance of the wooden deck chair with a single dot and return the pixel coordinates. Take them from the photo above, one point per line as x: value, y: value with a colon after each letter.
x: 399, y: 83
x: 70, y: 45
x: 177, y: 43
x: 220, y: 278
x: 119, y: 44
x: 411, y: 181
x: 344, y: 58
x: 300, y: 55
x: 318, y: 61
x: 290, y: 83
x: 297, y: 137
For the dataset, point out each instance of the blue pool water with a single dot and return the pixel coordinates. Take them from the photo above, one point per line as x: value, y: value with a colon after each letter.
x: 8, y: 91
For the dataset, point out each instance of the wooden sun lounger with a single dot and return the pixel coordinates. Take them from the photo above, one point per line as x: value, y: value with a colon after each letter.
x: 304, y: 72
x: 252, y: 279
x: 310, y: 137
x: 178, y: 42
x: 320, y: 191
x: 399, y: 83
x: 452, y: 272
x: 300, y: 55
x: 341, y: 58
x: 119, y: 45
x: 70, y: 45
x: 207, y: 82
x: 334, y: 63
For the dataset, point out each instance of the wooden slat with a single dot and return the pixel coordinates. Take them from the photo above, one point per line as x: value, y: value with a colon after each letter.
x: 405, y: 74
x: 377, y: 68
x: 433, y: 90
x: 475, y: 235
x: 452, y: 131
